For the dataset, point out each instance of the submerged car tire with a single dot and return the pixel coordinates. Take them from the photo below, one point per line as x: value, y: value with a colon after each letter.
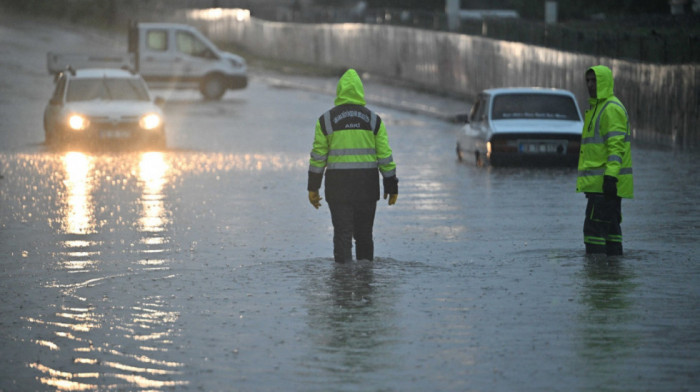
x: 213, y: 87
x: 478, y: 159
x: 48, y: 135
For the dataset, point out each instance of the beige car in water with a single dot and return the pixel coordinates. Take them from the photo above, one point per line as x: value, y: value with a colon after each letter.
x: 522, y: 126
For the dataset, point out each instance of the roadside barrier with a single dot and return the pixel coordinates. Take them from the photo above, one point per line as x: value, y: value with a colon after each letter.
x: 662, y: 100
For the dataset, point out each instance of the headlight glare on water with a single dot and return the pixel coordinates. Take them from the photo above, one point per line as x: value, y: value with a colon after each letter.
x: 150, y: 121
x: 77, y: 122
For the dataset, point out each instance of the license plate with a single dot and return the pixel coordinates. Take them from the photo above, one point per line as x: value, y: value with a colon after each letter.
x: 115, y: 134
x: 542, y: 147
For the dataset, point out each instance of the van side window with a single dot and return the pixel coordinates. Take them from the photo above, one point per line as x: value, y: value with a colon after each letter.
x: 191, y: 45
x: 157, y: 40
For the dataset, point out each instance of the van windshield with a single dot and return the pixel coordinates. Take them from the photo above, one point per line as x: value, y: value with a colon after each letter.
x: 106, y: 89
x: 534, y: 106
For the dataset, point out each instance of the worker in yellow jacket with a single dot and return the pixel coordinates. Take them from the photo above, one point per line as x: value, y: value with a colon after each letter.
x: 351, y: 146
x: 605, y: 164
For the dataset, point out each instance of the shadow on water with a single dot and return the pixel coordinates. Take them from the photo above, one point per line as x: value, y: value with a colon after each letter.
x: 606, y: 322
x: 607, y: 283
x: 350, y: 320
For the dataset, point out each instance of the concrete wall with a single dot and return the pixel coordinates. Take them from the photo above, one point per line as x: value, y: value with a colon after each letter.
x: 662, y: 100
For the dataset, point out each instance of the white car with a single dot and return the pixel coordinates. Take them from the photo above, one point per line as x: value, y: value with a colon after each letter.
x: 103, y: 106
x: 514, y: 126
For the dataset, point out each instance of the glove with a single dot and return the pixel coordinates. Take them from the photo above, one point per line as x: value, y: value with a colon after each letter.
x: 315, y: 199
x: 391, y: 189
x: 392, y: 198
x: 610, y: 187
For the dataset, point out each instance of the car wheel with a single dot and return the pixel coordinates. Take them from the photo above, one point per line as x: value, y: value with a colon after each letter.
x: 48, y: 135
x: 478, y: 159
x: 213, y: 87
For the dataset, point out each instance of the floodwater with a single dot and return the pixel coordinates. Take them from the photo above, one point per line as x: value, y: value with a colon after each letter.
x: 203, y: 266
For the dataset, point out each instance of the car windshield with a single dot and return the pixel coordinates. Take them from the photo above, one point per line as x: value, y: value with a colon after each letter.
x: 106, y: 89
x: 534, y: 106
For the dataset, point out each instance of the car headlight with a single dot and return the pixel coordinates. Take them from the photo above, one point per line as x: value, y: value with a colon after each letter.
x: 77, y: 122
x: 150, y: 121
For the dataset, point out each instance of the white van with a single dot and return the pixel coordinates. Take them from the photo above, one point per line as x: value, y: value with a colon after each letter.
x: 167, y: 55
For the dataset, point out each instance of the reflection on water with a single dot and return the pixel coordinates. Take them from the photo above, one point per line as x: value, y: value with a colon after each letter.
x: 607, y: 332
x: 79, y: 213
x: 350, y: 316
x: 153, y: 219
x: 105, y: 320
x: 105, y: 332
x: 198, y: 163
x: 152, y: 169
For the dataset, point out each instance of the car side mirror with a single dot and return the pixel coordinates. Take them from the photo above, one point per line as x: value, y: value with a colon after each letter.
x: 159, y: 101
x: 462, y: 118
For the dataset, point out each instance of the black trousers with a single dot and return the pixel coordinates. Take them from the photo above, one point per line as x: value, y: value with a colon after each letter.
x: 601, y: 229
x: 353, y: 220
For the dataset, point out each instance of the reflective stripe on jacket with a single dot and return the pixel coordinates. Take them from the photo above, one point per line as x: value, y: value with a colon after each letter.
x: 351, y: 137
x: 605, y: 141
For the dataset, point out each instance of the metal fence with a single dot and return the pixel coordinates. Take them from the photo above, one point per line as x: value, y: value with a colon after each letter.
x: 653, y: 47
x: 646, y: 45
x: 651, y: 44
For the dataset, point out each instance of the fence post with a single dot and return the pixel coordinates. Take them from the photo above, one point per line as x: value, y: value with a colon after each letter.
x: 452, y: 11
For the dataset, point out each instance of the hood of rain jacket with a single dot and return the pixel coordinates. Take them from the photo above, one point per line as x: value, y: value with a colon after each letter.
x: 350, y: 89
x: 604, y: 83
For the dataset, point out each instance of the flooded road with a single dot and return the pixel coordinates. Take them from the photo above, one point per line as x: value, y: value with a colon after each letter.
x: 203, y: 266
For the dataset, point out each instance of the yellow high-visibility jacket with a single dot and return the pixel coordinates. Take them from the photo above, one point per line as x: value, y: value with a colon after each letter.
x: 605, y: 141
x: 351, y: 146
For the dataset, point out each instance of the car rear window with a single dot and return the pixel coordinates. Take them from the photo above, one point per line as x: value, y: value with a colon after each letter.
x: 106, y: 89
x: 534, y: 106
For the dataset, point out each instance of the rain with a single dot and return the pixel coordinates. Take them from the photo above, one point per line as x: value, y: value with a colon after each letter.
x: 202, y: 266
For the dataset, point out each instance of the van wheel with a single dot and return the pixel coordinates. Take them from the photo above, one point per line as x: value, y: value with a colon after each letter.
x: 48, y: 136
x: 213, y: 87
